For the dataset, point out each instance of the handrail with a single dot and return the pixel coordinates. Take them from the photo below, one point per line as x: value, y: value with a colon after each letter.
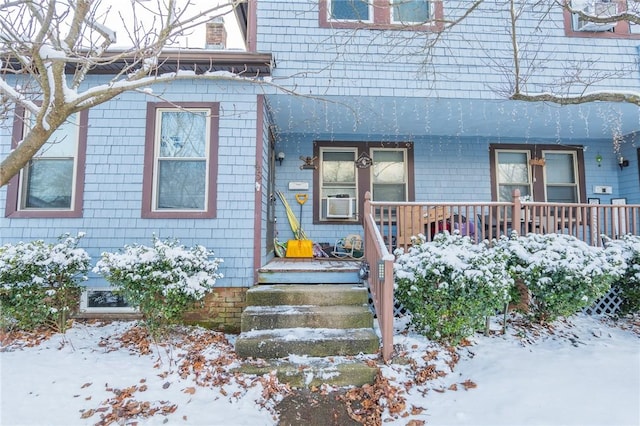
x: 380, y: 278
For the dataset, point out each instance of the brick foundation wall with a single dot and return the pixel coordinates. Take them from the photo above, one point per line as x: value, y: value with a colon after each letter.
x: 221, y: 311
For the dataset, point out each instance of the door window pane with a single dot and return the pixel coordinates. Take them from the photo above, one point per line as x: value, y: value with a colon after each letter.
x: 560, y: 177
x: 512, y: 173
x: 410, y: 11
x: 338, y: 180
x: 506, y: 191
x: 562, y: 194
x: 560, y: 168
x: 339, y: 167
x: 388, y: 175
x: 513, y: 167
x: 349, y: 10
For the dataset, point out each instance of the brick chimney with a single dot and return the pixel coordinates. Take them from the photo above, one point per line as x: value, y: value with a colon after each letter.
x: 216, y: 38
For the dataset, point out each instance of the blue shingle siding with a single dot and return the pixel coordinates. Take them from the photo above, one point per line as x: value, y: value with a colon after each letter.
x: 113, y: 183
x: 345, y: 56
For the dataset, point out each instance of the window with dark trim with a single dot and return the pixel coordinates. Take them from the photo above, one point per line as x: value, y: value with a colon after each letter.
x: 347, y: 170
x: 545, y: 173
x: 575, y: 26
x: 52, y: 183
x: 382, y: 14
x: 181, y: 153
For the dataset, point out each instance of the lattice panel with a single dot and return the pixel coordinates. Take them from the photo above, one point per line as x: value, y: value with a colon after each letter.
x: 608, y: 304
x: 398, y: 309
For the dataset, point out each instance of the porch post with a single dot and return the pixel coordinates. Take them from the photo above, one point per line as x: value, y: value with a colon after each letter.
x: 517, y: 211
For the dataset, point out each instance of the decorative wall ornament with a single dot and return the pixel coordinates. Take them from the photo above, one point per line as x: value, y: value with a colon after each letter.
x: 537, y: 161
x: 364, y: 161
x: 308, y: 163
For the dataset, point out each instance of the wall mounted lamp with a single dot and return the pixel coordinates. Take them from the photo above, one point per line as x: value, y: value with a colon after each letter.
x: 280, y: 157
x: 599, y: 160
x: 623, y: 162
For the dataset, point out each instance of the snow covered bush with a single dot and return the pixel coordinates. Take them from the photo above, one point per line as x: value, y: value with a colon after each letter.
x: 450, y: 285
x: 39, y: 282
x: 562, y: 273
x: 163, y: 280
x: 629, y: 283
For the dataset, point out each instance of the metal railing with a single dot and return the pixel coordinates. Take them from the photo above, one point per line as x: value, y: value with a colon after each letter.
x: 388, y: 226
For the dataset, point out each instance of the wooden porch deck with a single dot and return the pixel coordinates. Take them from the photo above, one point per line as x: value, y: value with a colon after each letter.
x: 310, y: 271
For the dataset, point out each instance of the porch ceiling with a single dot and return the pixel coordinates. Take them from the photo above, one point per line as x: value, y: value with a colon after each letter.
x: 500, y: 119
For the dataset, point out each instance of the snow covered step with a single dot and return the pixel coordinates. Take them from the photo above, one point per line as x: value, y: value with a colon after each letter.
x: 314, y: 342
x: 307, y: 372
x: 288, y: 316
x: 320, y: 294
x: 309, y: 271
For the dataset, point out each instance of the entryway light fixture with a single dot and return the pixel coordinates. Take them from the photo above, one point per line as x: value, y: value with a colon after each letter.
x: 623, y: 162
x: 280, y: 157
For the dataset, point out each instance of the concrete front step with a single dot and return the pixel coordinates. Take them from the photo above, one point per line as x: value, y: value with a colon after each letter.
x: 319, y: 295
x: 288, y: 316
x: 317, y: 371
x: 315, y: 342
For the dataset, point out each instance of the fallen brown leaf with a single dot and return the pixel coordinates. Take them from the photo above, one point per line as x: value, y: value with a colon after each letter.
x: 468, y: 384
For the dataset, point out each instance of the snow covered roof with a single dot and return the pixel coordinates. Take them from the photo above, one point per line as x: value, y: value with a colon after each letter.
x: 199, y: 61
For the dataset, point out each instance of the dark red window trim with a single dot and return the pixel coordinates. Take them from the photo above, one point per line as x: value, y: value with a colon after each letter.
x: 538, y: 179
x: 147, y: 178
x: 382, y: 19
x: 12, y: 208
x: 621, y: 30
x: 364, y: 178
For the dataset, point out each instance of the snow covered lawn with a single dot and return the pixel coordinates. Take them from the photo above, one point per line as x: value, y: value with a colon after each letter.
x: 583, y: 372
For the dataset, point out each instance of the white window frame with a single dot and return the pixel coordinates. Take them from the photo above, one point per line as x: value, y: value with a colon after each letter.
x: 398, y: 22
x: 405, y: 161
x: 576, y: 176
x: 25, y: 171
x: 354, y: 150
x: 497, y: 168
x: 85, y: 308
x: 157, y: 159
x: 330, y: 18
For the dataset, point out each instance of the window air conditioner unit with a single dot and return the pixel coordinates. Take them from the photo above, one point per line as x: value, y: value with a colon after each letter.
x: 339, y: 208
x: 601, y: 9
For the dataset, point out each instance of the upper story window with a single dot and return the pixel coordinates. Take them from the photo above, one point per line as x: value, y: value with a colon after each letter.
x: 52, y: 182
x: 181, y: 150
x: 350, y: 10
x: 382, y: 14
x: 577, y: 26
x: 410, y: 11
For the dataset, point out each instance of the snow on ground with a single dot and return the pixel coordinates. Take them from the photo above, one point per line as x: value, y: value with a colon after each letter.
x: 583, y: 372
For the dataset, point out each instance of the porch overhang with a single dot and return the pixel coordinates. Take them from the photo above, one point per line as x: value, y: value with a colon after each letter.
x: 335, y: 117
